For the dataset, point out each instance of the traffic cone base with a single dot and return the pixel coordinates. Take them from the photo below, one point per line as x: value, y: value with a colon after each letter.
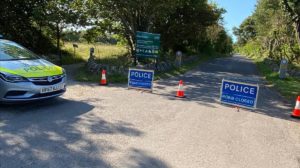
x: 103, y: 83
x: 180, y: 96
x: 296, y: 112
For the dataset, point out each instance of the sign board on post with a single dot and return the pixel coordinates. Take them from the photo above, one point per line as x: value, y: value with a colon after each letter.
x: 147, y: 44
x: 239, y: 94
x: 75, y: 45
x: 140, y: 79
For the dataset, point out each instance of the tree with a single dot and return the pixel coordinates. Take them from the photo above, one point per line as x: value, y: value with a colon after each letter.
x: 219, y: 39
x: 186, y: 24
x: 292, y: 8
x: 246, y: 31
x: 274, y: 30
x: 58, y: 14
x: 180, y: 23
x: 41, y: 23
x: 271, y: 32
x: 16, y: 20
x: 91, y: 35
x: 127, y: 17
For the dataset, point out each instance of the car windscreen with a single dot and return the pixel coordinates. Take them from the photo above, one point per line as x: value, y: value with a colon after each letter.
x: 12, y: 51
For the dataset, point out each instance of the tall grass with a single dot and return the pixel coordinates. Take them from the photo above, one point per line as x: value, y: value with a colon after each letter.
x: 289, y: 87
x: 107, y: 54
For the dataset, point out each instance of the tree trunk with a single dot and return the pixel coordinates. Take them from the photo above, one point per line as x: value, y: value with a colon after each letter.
x: 131, y: 44
x: 58, y: 43
x: 298, y: 31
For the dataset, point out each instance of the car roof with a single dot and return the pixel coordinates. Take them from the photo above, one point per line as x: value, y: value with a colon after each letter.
x: 3, y: 41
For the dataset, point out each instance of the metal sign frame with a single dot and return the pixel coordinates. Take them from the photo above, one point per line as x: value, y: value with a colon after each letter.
x: 243, y: 83
x: 139, y: 88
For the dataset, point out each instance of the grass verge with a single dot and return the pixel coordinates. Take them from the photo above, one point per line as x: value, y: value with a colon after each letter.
x: 84, y: 76
x: 288, y: 88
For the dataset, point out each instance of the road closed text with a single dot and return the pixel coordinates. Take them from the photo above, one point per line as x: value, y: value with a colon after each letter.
x: 238, y: 99
x: 239, y: 94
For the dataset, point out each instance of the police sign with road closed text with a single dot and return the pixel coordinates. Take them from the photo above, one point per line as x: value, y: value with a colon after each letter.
x: 140, y: 79
x: 239, y: 94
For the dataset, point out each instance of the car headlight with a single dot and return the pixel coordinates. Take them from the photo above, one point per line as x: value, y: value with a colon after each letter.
x: 12, y: 78
x: 64, y: 72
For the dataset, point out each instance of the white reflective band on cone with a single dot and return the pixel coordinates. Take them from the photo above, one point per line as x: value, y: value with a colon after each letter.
x: 297, y: 105
x: 103, y: 76
x: 180, y: 87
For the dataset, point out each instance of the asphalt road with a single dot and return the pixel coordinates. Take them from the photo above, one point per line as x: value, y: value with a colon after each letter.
x: 94, y: 126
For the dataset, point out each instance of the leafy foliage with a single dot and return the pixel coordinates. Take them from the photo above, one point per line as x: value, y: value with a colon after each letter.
x: 183, y: 25
x: 16, y: 19
x: 246, y: 31
x: 292, y: 9
x: 272, y: 29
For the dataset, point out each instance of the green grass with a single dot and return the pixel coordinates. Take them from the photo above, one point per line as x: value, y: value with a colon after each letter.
x: 289, y: 87
x: 116, y: 55
x: 106, y: 54
x: 84, y: 76
x: 68, y: 58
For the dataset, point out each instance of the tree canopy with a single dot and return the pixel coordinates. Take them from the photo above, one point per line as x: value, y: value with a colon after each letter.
x: 184, y: 25
x: 272, y: 31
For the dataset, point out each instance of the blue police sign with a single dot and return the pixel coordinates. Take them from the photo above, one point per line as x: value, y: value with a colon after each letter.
x: 140, y: 79
x: 239, y: 94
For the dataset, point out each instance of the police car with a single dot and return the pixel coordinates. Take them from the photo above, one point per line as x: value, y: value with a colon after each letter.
x: 26, y: 77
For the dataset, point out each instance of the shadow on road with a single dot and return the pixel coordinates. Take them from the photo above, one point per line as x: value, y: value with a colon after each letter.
x: 203, y: 84
x: 39, y: 135
x: 141, y: 159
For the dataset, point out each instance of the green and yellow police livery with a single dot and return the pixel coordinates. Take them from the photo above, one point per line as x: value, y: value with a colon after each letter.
x: 26, y: 77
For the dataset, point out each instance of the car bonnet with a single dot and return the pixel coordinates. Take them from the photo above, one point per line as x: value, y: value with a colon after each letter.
x: 30, y: 68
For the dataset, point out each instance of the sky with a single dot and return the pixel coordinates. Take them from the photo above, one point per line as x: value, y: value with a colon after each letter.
x: 237, y: 12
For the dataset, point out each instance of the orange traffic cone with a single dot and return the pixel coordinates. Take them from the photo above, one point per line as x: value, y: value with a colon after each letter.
x: 296, y: 112
x: 180, y: 91
x: 103, y: 78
